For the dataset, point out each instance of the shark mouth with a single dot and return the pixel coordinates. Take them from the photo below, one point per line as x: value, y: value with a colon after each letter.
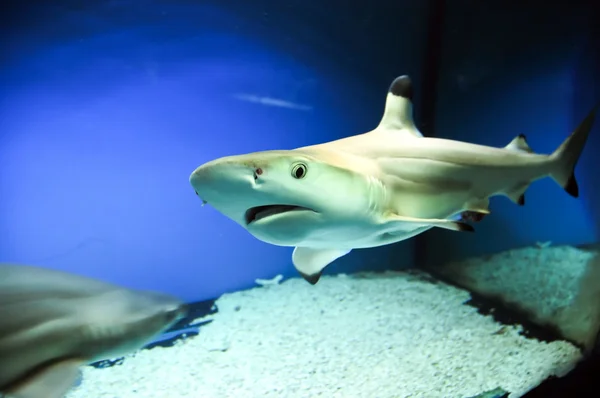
x: 260, y: 212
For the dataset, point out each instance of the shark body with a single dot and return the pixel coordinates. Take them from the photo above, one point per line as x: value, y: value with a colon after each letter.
x: 375, y: 188
x: 52, y: 322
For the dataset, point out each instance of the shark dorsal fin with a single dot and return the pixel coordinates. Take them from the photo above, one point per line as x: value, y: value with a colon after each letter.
x: 519, y: 143
x: 398, y: 113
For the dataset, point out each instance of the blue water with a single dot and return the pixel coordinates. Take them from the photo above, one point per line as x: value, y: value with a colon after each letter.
x: 107, y: 107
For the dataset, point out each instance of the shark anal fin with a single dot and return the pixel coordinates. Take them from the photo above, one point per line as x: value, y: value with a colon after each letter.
x: 452, y: 225
x: 517, y: 193
x: 52, y: 381
x: 519, y: 144
x: 310, y: 262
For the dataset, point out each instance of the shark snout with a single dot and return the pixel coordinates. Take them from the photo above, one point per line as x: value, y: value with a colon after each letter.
x: 201, y: 175
x: 202, y: 179
x: 168, y: 309
x: 174, y: 313
x: 218, y: 170
x: 221, y: 177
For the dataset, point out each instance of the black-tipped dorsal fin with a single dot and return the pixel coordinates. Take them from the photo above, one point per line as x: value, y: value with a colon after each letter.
x: 398, y: 113
x: 519, y: 143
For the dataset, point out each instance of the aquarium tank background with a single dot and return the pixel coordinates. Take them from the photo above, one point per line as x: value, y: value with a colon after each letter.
x: 108, y: 106
x: 119, y: 102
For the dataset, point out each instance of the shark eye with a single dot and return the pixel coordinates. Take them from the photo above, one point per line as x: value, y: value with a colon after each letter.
x: 299, y: 171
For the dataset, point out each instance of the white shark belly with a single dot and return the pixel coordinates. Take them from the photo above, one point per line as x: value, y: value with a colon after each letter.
x: 361, y: 229
x: 344, y: 239
x: 323, y: 233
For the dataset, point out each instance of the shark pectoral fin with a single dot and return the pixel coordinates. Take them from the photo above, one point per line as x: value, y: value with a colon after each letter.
x: 310, y: 262
x: 52, y: 381
x: 517, y: 193
x: 453, y: 225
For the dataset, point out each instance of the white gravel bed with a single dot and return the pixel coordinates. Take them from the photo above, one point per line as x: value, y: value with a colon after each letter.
x: 371, y: 335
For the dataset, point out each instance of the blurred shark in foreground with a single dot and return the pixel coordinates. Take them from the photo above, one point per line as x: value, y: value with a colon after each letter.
x: 376, y: 188
x: 53, y: 322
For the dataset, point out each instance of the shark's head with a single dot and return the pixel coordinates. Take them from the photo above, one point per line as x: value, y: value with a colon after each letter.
x: 282, y: 197
x: 52, y: 322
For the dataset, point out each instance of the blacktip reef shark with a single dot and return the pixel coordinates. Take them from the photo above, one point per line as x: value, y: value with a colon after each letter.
x: 52, y: 322
x: 375, y: 188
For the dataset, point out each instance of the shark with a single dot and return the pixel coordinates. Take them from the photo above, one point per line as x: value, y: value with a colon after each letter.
x: 53, y: 322
x: 376, y: 188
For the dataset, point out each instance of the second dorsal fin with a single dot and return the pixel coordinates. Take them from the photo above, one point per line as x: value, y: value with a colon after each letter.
x: 519, y: 143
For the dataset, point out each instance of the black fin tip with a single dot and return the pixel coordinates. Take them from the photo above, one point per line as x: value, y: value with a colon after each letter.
x: 312, y: 279
x: 572, y: 188
x: 402, y: 86
x: 464, y: 227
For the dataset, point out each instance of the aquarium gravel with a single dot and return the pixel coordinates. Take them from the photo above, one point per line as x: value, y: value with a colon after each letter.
x: 556, y: 286
x: 396, y: 334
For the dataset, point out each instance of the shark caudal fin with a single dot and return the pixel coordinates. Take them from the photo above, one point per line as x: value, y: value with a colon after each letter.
x: 567, y: 155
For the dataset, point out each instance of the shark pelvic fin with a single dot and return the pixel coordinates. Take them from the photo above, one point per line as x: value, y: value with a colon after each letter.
x: 481, y: 206
x: 519, y: 144
x: 398, y: 113
x: 452, y: 225
x: 52, y: 381
x: 310, y: 262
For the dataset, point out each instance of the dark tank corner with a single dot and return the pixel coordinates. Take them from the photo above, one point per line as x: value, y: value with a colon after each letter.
x: 552, y: 292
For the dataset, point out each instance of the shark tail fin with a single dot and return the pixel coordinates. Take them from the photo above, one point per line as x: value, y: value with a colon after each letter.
x: 567, y: 155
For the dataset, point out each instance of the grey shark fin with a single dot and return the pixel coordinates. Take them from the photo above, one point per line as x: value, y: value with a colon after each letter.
x: 452, y: 225
x: 519, y: 144
x: 52, y: 381
x: 567, y: 155
x: 481, y: 206
x: 310, y: 262
x: 398, y: 113
x: 517, y: 193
